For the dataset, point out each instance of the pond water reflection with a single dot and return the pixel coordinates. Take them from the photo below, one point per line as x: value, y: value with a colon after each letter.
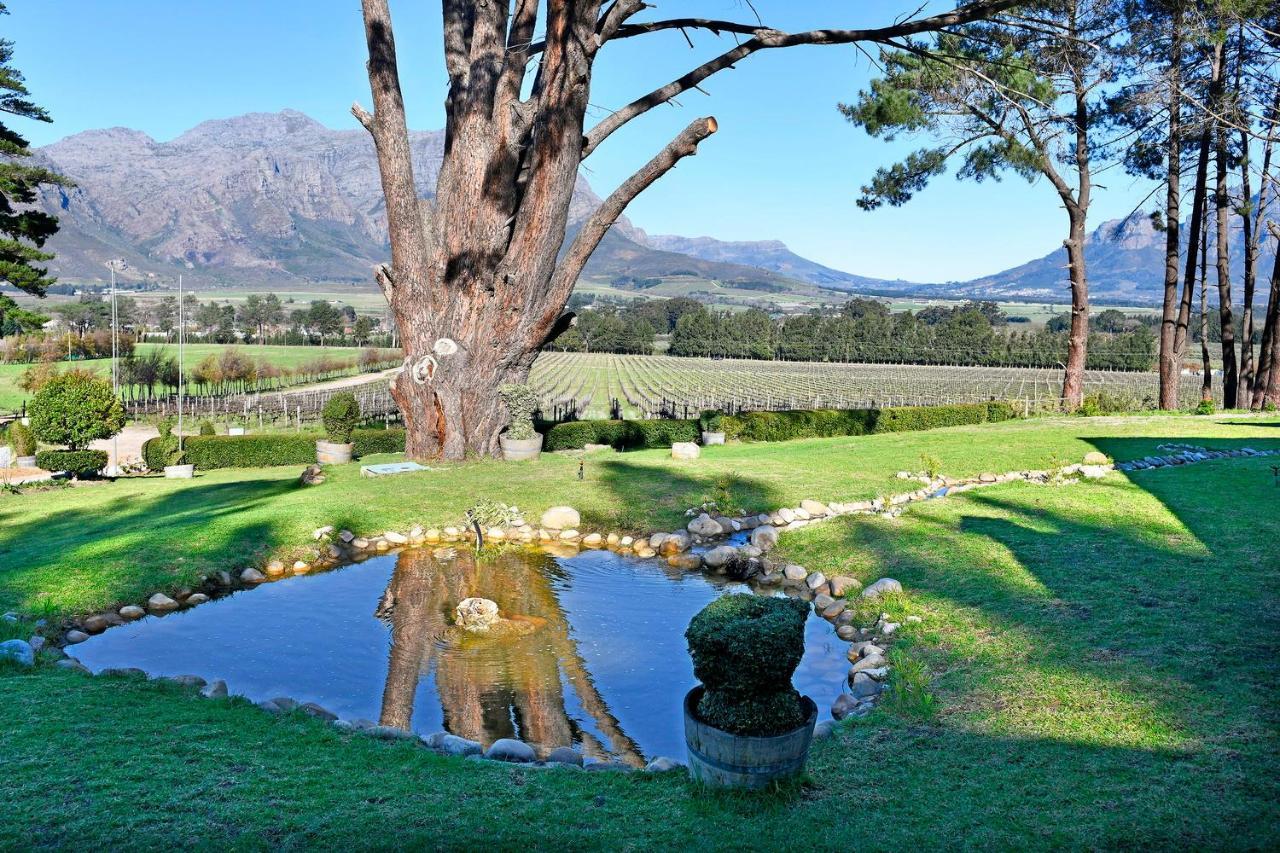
x: 594, y: 656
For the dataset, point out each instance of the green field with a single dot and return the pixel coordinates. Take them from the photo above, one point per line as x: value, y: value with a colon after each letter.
x: 1103, y: 659
x: 12, y: 397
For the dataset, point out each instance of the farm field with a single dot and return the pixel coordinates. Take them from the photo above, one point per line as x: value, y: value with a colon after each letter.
x: 12, y: 397
x: 646, y: 386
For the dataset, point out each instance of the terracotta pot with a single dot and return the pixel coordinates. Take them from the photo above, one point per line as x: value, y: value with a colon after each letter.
x: 331, y: 453
x: 518, y: 450
x: 727, y: 760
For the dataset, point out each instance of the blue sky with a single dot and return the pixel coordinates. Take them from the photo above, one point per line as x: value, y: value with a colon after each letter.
x: 785, y: 165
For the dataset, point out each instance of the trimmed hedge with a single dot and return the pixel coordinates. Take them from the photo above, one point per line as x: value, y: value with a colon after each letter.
x: 623, y: 435
x: 77, y: 463
x: 207, y: 452
x: 775, y: 426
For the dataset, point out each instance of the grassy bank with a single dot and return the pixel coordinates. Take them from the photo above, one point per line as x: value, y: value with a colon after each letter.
x: 1103, y: 658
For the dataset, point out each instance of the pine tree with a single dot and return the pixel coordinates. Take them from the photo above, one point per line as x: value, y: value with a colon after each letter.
x: 23, y: 231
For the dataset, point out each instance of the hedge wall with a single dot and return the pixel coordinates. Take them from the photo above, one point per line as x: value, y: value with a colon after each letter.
x: 77, y: 463
x: 207, y: 452
x: 776, y: 426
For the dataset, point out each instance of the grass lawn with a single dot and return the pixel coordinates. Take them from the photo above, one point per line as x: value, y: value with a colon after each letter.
x: 1103, y: 656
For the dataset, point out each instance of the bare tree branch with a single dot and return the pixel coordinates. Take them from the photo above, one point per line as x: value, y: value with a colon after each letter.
x: 767, y: 39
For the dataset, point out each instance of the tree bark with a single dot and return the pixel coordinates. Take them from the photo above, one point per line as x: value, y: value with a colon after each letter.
x: 1199, y: 199
x: 1077, y: 347
x: 1206, y: 361
x: 1266, y: 390
x: 1222, y: 205
x: 1170, y: 361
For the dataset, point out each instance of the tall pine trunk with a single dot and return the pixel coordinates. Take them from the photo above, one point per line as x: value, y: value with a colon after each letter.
x: 1170, y: 360
x: 1222, y: 206
x: 1077, y: 346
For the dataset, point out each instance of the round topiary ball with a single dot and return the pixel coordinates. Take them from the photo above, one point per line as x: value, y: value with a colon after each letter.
x: 747, y: 644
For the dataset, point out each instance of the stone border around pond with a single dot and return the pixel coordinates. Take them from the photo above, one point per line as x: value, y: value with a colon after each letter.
x: 559, y: 535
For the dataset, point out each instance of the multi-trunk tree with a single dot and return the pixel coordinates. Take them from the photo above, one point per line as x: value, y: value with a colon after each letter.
x: 480, y: 273
x: 1020, y: 96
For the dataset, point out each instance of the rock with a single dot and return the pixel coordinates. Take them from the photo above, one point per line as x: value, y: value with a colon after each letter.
x: 719, y: 557
x: 816, y: 509
x: 688, y: 562
x: 802, y: 514
x: 476, y: 614
x: 37, y: 643
x: 864, y: 648
x: 72, y: 663
x: 822, y: 601
x: 570, y: 535
x: 881, y: 587
x: 495, y: 534
x: 824, y: 729
x: 122, y: 672
x: 275, y: 568
x: 321, y: 532
x: 313, y: 475
x: 846, y: 632
x: 224, y: 579
x: 869, y: 661
x: 843, y: 706
x: 346, y: 536
x: 787, y: 515
x: 73, y: 636
x: 815, y: 580
x: 432, y: 535
x: 196, y: 598
x: 161, y: 603
x: 843, y: 584
x: 311, y: 709
x: 863, y: 685
x: 564, y: 755
x: 676, y: 543
x: 453, y: 745
x: 685, y: 450
x: 765, y: 538
x: 1093, y: 457
x: 597, y: 766
x: 216, y: 690
x: 888, y: 629
x: 662, y: 764
x: 915, y: 620
x: 1094, y: 472
x: 593, y: 540
x: 879, y: 673
x: 834, y: 609
x: 95, y: 624
x: 390, y: 733
x: 510, y: 749
x: 395, y: 538
x: 645, y: 552
x: 986, y: 478
x: 656, y: 540
x: 705, y: 525
x: 251, y: 576
x: 561, y: 518
x: 19, y: 651
x: 626, y: 542
x: 795, y: 573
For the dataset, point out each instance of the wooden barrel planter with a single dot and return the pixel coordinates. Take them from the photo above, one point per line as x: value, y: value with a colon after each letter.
x: 332, y: 453
x: 519, y: 450
x: 722, y: 759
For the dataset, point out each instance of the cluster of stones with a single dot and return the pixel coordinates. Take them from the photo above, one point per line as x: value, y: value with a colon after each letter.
x: 1188, y: 454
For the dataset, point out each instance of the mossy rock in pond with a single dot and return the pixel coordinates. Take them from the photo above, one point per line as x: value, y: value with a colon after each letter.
x: 745, y: 649
x: 508, y: 628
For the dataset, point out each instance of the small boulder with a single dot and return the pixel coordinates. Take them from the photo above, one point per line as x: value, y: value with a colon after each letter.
x: 822, y: 601
x: 161, y: 603
x: 19, y: 651
x: 593, y: 540
x: 311, y: 709
x: 73, y: 636
x: 275, y: 568
x: 824, y: 729
x: 719, y: 557
x: 395, y: 538
x: 815, y: 580
x: 313, y: 475
x: 843, y: 706
x: 196, y: 598
x: 662, y: 764
x: 871, y: 661
x: 765, y: 537
x: 816, y: 509
x: 561, y: 518
x: 705, y: 525
x: 1093, y: 457
x: 882, y: 587
x: 95, y: 624
x: 863, y: 685
x: 564, y: 755
x: 321, y: 532
x: 841, y: 585
x: 787, y: 515
x: 685, y: 450
x: 390, y: 733
x: 215, y: 690
x: 834, y: 609
x: 453, y: 745
x: 676, y: 543
x: 251, y: 576
x: 476, y: 614
x: 795, y: 574
x: 510, y: 749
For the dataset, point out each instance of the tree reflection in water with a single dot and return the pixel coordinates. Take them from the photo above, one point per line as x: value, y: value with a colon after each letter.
x: 508, y: 684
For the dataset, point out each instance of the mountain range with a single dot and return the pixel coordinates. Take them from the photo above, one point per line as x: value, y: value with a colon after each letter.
x: 278, y: 200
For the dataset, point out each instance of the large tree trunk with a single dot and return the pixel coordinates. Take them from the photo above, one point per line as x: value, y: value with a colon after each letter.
x: 1169, y: 363
x: 1198, y: 203
x: 1077, y: 345
x: 1267, y: 388
x: 1222, y: 205
x: 1206, y: 360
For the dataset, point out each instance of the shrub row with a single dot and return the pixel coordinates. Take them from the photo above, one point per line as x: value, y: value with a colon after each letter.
x: 775, y: 426
x: 623, y: 435
x: 77, y: 463
x: 207, y: 452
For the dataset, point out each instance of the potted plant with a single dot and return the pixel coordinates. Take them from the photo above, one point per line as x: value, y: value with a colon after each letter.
x: 341, y: 413
x: 745, y: 725
x: 24, y: 445
x: 520, y: 441
x: 712, y: 426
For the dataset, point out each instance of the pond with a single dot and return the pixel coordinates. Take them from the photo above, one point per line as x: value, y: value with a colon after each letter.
x: 598, y: 661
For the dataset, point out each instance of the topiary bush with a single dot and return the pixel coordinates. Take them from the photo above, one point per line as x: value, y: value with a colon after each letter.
x: 745, y: 649
x: 711, y: 421
x: 522, y: 401
x: 74, y: 409
x: 341, y: 414
x: 80, y: 464
x: 206, y: 428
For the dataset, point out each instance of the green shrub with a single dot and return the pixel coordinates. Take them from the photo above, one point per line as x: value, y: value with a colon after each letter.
x: 341, y: 413
x: 711, y: 421
x: 78, y: 463
x: 1205, y: 407
x: 745, y: 649
x: 522, y: 401
x: 1114, y: 403
x: 908, y: 692
x: 22, y: 439
x: 370, y: 441
x: 74, y: 409
x: 623, y: 435
x: 206, y: 428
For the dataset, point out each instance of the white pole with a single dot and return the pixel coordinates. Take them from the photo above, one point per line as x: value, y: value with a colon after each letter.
x: 115, y: 367
x: 182, y: 343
